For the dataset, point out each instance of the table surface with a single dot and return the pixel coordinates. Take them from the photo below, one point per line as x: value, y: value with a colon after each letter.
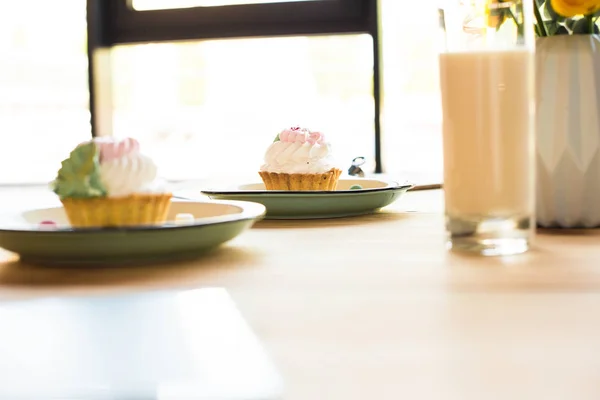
x: 374, y: 307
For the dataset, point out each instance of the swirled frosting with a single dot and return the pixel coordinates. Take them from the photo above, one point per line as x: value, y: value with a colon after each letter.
x: 106, y: 167
x: 298, y: 150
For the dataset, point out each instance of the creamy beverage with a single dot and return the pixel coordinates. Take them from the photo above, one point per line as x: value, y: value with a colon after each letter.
x: 487, y: 100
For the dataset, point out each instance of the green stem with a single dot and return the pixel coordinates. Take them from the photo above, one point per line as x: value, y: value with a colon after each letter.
x: 540, y: 21
x: 512, y: 15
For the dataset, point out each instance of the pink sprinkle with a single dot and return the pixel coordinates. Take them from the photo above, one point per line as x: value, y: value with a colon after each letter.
x: 48, y: 224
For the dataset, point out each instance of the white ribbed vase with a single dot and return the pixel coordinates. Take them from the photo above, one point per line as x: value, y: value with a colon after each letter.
x: 568, y: 131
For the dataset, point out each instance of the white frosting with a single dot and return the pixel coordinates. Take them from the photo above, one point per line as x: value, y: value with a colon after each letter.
x: 298, y: 158
x: 134, y: 173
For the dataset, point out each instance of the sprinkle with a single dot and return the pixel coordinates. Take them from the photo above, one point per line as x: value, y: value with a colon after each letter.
x: 355, y: 187
x: 48, y: 224
x: 184, y: 218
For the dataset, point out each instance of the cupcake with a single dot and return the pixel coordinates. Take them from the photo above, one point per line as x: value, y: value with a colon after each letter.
x: 299, y: 159
x: 107, y: 182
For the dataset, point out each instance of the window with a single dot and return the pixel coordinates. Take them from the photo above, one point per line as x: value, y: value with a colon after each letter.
x: 207, y: 101
x: 43, y: 87
x: 211, y: 108
x: 412, y: 114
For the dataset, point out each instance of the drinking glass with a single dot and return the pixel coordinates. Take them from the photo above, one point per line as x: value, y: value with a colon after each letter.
x: 487, y: 87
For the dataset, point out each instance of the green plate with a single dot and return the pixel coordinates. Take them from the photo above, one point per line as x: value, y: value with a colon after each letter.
x: 214, y: 223
x: 342, y: 202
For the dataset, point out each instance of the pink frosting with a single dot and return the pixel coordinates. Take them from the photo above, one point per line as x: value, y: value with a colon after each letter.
x: 111, y: 148
x: 301, y: 135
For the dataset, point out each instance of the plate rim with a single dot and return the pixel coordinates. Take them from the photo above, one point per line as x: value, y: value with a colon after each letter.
x: 392, y: 186
x: 249, y: 211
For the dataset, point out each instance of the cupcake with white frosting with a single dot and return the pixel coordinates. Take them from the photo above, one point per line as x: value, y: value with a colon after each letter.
x: 299, y: 160
x: 108, y: 182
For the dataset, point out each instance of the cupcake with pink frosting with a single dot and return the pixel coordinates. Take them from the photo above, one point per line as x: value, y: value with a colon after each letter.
x: 109, y: 182
x: 299, y: 160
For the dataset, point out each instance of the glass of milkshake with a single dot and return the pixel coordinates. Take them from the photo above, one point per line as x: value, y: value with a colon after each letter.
x: 487, y: 84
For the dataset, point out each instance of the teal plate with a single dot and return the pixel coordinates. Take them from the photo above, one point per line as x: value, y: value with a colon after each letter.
x: 214, y: 223
x: 343, y: 202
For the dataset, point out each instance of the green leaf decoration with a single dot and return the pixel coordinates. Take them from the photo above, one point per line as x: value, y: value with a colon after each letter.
x: 276, y: 138
x: 79, y: 175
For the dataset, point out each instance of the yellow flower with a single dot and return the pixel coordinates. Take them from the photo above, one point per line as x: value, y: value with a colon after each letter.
x: 571, y: 8
x: 495, y: 14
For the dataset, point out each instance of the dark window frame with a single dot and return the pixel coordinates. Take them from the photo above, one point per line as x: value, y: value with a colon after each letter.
x: 115, y: 22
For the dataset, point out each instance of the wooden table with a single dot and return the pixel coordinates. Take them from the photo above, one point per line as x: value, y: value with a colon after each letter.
x: 374, y: 307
